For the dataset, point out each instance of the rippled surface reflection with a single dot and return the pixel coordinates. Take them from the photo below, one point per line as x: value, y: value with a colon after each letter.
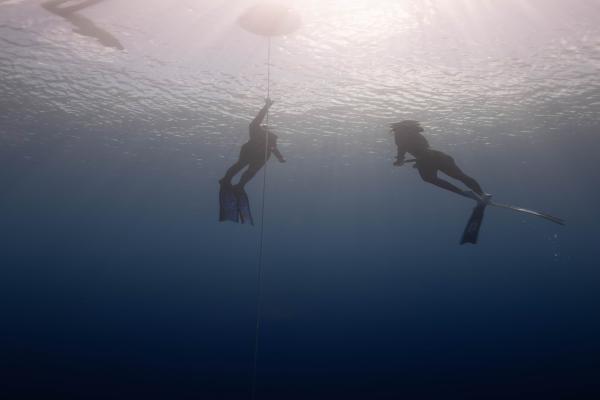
x: 190, y: 72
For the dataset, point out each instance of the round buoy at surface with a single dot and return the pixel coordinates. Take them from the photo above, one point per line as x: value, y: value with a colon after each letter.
x: 269, y: 19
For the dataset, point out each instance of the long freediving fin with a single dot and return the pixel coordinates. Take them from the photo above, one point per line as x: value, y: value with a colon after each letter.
x: 471, y: 232
x: 228, y: 204
x: 522, y: 210
x: 243, y: 205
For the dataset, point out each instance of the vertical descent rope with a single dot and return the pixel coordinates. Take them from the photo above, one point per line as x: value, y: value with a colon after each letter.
x: 262, y: 230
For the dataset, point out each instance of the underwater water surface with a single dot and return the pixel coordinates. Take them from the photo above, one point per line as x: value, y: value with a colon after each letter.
x: 118, y: 281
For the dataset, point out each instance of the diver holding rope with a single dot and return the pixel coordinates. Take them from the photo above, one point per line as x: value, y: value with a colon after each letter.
x: 254, y: 153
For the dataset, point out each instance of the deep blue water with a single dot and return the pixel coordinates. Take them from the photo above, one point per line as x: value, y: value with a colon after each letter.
x: 117, y: 281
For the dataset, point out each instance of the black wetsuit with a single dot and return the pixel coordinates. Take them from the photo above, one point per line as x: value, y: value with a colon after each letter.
x: 430, y: 161
x: 255, y: 152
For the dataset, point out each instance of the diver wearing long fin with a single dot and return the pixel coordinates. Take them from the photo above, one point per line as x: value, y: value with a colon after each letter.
x: 408, y: 138
x: 84, y: 26
x: 255, y: 152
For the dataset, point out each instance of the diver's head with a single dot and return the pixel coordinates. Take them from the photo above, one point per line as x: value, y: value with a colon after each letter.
x: 406, y: 126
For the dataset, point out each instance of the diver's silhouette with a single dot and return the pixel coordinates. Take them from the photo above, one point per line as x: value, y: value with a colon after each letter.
x: 255, y: 152
x: 409, y: 139
x: 83, y: 26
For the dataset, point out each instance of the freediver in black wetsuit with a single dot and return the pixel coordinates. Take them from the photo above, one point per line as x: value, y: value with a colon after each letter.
x: 255, y: 152
x: 83, y: 26
x: 409, y: 139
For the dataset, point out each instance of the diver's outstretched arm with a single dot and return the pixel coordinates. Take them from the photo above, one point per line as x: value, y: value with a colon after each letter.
x: 278, y: 154
x: 261, y: 114
x: 401, y: 148
x: 400, y: 155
